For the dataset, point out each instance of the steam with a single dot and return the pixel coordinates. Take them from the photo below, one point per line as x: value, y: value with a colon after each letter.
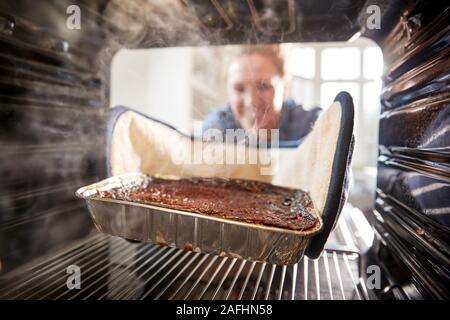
x: 148, y: 24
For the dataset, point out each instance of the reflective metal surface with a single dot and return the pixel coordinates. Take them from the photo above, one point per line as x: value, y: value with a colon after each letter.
x: 412, y: 208
x: 113, y: 268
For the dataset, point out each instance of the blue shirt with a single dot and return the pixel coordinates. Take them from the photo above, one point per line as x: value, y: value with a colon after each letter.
x: 294, y: 122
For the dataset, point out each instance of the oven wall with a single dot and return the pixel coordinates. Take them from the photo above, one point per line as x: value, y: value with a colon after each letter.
x: 52, y: 105
x: 412, y: 205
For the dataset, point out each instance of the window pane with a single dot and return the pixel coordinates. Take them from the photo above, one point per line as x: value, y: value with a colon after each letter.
x: 329, y: 91
x: 301, y: 62
x: 373, y: 63
x: 340, y: 63
x: 302, y: 91
x: 371, y: 99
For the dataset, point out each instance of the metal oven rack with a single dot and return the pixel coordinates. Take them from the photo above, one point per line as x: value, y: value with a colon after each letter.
x: 114, y: 268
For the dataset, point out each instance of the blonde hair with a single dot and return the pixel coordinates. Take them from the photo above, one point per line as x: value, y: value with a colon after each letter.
x: 272, y: 52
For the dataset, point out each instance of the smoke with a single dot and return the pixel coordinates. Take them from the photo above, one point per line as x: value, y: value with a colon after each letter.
x: 147, y: 24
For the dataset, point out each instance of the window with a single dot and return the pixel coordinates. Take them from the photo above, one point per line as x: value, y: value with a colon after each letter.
x: 373, y: 63
x: 340, y: 63
x: 321, y: 70
x: 301, y: 62
x: 328, y: 91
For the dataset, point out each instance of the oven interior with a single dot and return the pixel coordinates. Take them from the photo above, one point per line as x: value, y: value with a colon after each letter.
x: 54, y: 100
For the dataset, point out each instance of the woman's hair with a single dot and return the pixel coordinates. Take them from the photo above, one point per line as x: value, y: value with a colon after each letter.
x: 273, y: 52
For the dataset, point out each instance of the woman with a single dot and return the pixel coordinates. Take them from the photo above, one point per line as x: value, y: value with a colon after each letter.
x: 256, y: 87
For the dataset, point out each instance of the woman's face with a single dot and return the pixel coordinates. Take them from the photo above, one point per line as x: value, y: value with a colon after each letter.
x: 256, y: 91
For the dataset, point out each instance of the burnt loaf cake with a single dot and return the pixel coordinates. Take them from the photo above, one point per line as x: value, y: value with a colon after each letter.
x: 232, y: 199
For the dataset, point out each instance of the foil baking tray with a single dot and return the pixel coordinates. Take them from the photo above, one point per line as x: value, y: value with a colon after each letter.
x: 191, y: 231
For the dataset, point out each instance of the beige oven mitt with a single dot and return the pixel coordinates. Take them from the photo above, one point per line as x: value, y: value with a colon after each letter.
x: 320, y: 164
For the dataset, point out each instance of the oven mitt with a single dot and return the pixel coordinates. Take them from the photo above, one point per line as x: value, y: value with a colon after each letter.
x: 138, y: 143
x: 320, y: 164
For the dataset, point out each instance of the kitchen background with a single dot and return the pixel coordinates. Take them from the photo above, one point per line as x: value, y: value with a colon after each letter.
x: 181, y: 85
